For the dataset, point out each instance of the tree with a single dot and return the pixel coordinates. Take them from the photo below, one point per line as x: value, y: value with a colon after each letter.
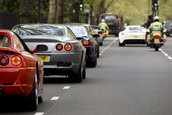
x: 52, y: 11
x: 25, y: 10
x: 55, y: 11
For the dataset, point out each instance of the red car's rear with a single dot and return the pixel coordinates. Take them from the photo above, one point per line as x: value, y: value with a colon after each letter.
x: 18, y: 69
x: 112, y: 21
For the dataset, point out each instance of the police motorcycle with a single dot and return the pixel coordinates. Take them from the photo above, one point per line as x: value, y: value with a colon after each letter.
x: 104, y: 33
x: 157, y: 39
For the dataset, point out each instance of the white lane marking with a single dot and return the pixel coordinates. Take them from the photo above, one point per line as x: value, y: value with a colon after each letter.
x: 39, y: 113
x: 169, y: 57
x: 66, y: 87
x: 54, y: 98
x: 108, y: 46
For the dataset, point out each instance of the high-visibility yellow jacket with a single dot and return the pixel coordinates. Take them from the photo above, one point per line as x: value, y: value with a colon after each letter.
x: 156, y: 26
x: 103, y: 26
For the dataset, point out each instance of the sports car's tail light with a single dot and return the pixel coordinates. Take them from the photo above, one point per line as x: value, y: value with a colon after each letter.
x: 85, y: 42
x: 4, y: 60
x: 59, y: 47
x: 16, y: 60
x: 68, y: 47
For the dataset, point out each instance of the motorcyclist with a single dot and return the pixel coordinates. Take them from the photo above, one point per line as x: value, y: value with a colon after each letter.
x: 156, y: 26
x: 103, y: 25
x: 147, y: 24
x: 149, y: 21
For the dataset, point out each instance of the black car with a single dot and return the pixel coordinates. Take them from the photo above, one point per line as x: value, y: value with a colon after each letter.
x: 88, y: 41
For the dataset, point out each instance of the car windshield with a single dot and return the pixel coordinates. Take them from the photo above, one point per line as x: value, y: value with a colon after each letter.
x: 110, y: 18
x: 4, y: 41
x: 78, y: 30
x: 40, y: 30
x: 135, y: 28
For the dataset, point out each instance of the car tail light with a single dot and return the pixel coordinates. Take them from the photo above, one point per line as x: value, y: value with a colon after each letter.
x: 16, y: 60
x: 68, y: 47
x: 85, y: 42
x: 59, y: 47
x: 4, y: 60
x: 96, y: 33
x: 157, y: 36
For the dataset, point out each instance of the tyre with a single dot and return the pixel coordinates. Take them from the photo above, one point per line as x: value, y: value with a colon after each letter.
x: 116, y: 35
x: 156, y: 48
x: 93, y: 63
x: 98, y: 49
x: 84, y: 72
x: 77, y: 77
x: 121, y: 44
x: 41, y: 98
x: 101, y: 43
x: 33, y: 98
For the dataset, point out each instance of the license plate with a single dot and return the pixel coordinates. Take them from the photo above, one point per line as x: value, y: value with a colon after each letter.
x: 135, y: 36
x: 45, y: 58
x: 156, y: 40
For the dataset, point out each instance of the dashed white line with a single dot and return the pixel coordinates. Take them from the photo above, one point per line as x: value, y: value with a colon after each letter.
x: 54, y: 98
x: 39, y: 113
x: 66, y: 87
x: 169, y: 57
x: 108, y: 46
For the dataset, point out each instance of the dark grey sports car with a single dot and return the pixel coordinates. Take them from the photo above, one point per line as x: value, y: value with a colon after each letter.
x: 65, y: 55
x: 88, y: 41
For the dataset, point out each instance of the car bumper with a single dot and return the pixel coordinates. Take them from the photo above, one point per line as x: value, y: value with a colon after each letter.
x: 16, y: 81
x: 62, y: 63
x: 132, y: 40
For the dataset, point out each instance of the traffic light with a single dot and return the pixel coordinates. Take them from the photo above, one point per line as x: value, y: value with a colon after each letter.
x: 155, y: 5
x: 81, y: 4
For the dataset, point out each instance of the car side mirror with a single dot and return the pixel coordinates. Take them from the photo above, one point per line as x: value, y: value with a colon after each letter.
x: 40, y: 48
x: 165, y: 30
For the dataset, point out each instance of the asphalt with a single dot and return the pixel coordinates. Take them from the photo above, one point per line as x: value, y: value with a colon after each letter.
x: 130, y: 80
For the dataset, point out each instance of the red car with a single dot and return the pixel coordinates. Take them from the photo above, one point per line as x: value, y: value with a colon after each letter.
x: 112, y: 21
x: 21, y: 72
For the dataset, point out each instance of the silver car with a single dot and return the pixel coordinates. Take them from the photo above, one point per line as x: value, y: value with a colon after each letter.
x: 65, y: 55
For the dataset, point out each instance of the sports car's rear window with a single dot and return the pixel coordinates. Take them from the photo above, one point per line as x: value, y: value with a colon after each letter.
x: 40, y: 30
x: 135, y: 28
x: 4, y: 41
x: 78, y: 30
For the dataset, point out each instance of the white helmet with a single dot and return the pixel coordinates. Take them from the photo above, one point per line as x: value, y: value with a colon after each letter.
x: 103, y: 20
x: 156, y: 18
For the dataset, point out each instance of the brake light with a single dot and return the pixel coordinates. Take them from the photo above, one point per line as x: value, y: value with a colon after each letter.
x: 16, y: 60
x: 68, y: 47
x: 4, y: 60
x: 59, y: 47
x: 157, y: 36
x: 85, y: 42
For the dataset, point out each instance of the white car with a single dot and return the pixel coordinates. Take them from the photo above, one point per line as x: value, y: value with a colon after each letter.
x: 132, y: 34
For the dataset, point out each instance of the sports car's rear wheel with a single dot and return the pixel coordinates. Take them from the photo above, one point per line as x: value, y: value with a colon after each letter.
x: 76, y: 77
x: 92, y: 63
x: 84, y: 72
x: 121, y: 44
x: 33, y: 98
x: 98, y: 50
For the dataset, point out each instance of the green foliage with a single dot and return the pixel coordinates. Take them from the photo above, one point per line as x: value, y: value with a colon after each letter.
x: 9, y: 5
x: 135, y: 11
